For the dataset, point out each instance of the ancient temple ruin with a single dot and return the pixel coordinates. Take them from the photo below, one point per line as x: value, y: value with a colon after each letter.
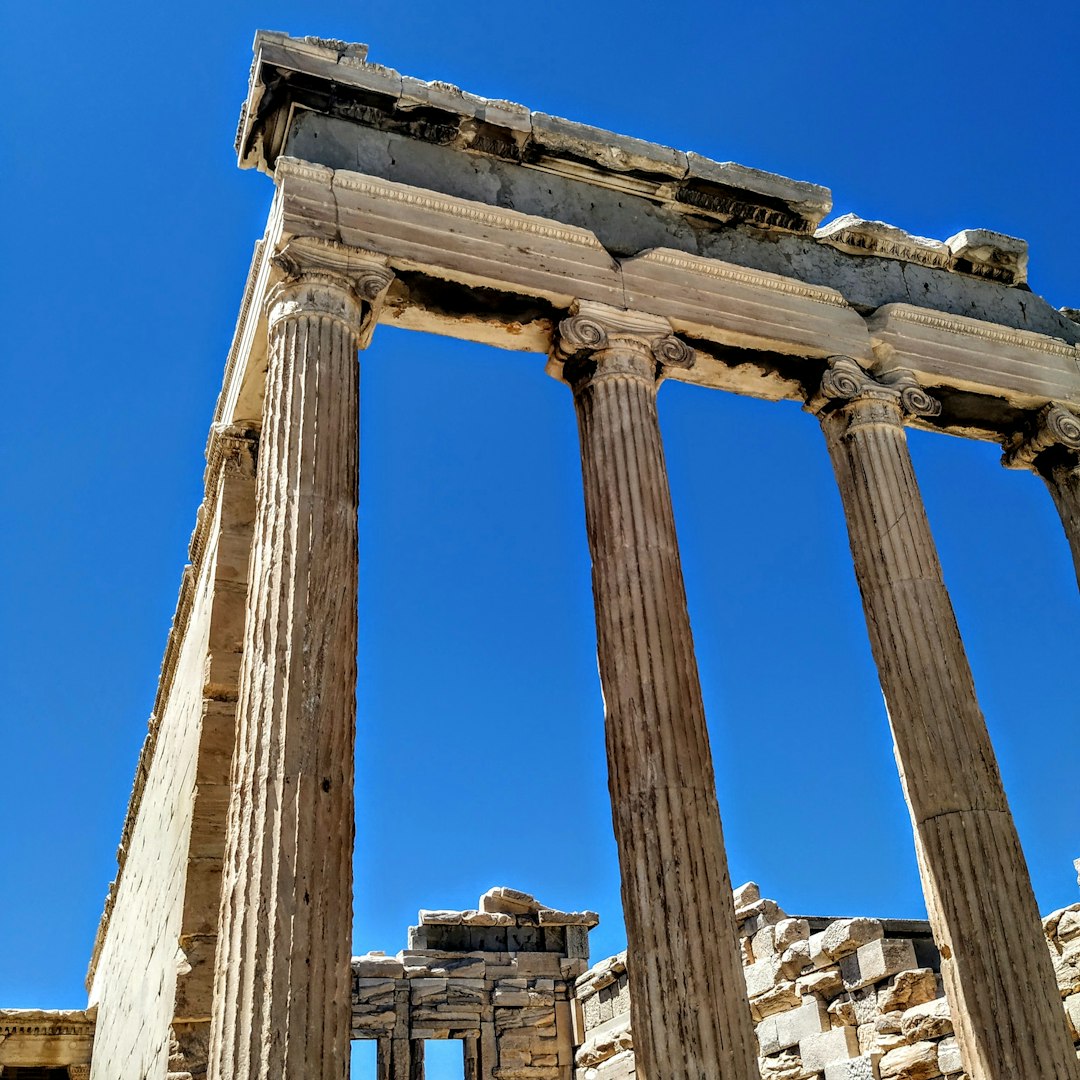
x: 224, y: 948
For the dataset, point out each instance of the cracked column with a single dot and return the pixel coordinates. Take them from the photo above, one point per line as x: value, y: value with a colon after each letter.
x: 690, y: 1015
x: 994, y: 959
x: 282, y: 977
x: 1052, y: 449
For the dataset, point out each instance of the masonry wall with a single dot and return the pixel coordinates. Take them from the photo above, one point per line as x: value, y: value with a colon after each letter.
x: 839, y: 999
x: 134, y: 980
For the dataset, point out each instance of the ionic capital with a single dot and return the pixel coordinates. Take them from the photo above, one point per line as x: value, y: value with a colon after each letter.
x: 1053, y: 427
x: 886, y: 398
x: 597, y: 341
x: 320, y: 277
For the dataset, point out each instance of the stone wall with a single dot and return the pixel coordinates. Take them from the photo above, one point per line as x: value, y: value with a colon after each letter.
x: 500, y: 979
x: 839, y: 999
x: 134, y: 978
x: 151, y: 973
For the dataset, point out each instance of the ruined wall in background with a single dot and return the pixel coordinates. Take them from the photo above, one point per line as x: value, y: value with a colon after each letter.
x: 841, y: 999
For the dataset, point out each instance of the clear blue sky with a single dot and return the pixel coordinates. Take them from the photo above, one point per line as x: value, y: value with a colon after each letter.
x: 128, y: 232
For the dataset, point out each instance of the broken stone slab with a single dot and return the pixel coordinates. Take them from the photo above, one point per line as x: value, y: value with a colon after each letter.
x: 916, y: 1062
x: 909, y: 988
x: 439, y: 918
x: 744, y: 896
x: 809, y: 201
x: 877, y: 960
x: 842, y: 937
x: 858, y: 236
x: 504, y: 900
x: 992, y: 253
x: 551, y: 917
x: 930, y: 1020
x: 825, y: 984
x: 948, y: 1056
x: 788, y: 931
x: 780, y: 998
x: 620, y: 153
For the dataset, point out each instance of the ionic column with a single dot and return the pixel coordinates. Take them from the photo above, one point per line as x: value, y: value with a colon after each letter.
x: 1052, y: 449
x: 690, y: 1015
x: 994, y: 959
x: 281, y: 992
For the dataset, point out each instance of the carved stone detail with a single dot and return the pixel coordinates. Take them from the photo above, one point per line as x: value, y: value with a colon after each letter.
x: 690, y: 1012
x: 281, y: 996
x: 995, y: 965
x: 846, y: 380
x: 630, y: 343
x: 1051, y: 447
x: 1054, y: 426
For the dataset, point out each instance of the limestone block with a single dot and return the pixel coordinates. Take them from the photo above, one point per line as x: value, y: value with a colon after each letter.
x: 440, y: 918
x: 372, y: 992
x: 817, y: 1051
x: 1068, y: 927
x: 789, y: 931
x: 509, y: 901
x: 842, y: 1011
x: 865, y: 1004
x: 425, y: 965
x: 877, y: 960
x: 916, y: 1062
x: 783, y: 1030
x: 744, y: 896
x: 948, y: 1055
x: 885, y: 1043
x: 888, y: 1023
x: 860, y: 1068
x: 781, y: 997
x: 907, y: 989
x: 758, y: 914
x: 550, y: 917
x: 844, y: 936
x: 931, y: 1020
x: 486, y: 918
x: 761, y: 976
x: 1066, y: 972
x: 1072, y: 1012
x: 424, y: 991
x: 795, y: 960
x: 825, y: 984
x: 784, y: 1066
x: 377, y: 965
x: 763, y: 943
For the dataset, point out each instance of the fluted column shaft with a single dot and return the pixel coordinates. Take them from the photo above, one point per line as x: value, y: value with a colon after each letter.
x: 282, y: 979
x: 1052, y: 449
x: 995, y: 963
x: 690, y: 1016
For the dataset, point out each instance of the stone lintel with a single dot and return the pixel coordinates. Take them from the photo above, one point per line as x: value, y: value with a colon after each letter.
x: 46, y: 1037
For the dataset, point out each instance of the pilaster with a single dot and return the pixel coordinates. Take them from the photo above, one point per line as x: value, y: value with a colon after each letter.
x: 691, y: 1018
x: 282, y: 985
x: 994, y: 960
x: 1051, y: 448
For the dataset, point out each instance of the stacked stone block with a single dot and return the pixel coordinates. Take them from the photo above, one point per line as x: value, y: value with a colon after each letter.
x: 831, y: 999
x: 500, y: 979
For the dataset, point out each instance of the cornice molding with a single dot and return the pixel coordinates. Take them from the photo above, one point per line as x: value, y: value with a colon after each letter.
x: 743, y: 275
x: 963, y: 326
